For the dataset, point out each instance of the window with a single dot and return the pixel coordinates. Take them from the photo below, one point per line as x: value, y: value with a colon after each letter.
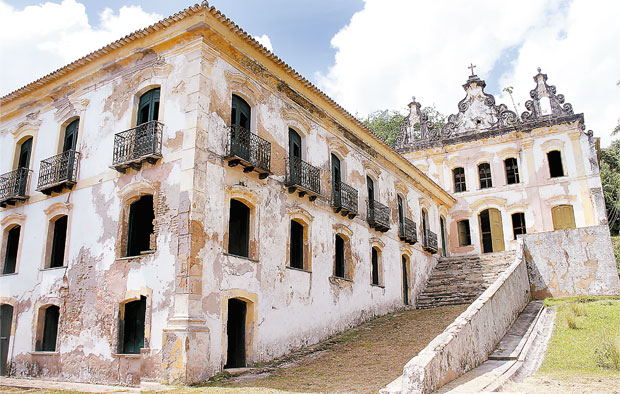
x: 512, y: 171
x: 47, y: 330
x: 339, y: 265
x: 563, y: 217
x: 70, y: 138
x: 10, y: 250
x: 25, y: 149
x: 484, y: 172
x: 442, y: 230
x: 239, y: 229
x: 59, y: 237
x: 140, y: 226
x: 464, y: 234
x: 297, y: 245
x: 240, y: 113
x: 555, y: 164
x: 131, y: 326
x: 518, y: 224
x: 148, y: 108
x: 459, y: 179
x: 336, y: 178
x: 370, y: 185
x: 375, y: 267
x: 401, y: 210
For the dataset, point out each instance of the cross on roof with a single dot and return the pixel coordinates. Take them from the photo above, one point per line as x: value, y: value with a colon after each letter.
x: 471, y: 67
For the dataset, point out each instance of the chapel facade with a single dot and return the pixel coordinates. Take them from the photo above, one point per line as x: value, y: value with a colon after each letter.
x: 182, y: 201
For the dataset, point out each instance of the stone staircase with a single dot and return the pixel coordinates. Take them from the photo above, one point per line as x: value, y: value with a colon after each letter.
x: 461, y: 279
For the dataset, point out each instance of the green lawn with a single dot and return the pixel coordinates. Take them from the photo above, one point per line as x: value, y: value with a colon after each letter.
x: 572, y: 351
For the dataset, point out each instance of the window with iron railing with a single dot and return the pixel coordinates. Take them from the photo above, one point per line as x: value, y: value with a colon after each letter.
x: 249, y: 150
x: 58, y: 171
x: 301, y: 175
x: 407, y: 231
x: 14, y: 186
x: 430, y: 241
x: 378, y: 216
x: 138, y: 144
x: 344, y: 199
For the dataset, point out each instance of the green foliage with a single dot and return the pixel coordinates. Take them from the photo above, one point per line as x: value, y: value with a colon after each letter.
x: 386, y: 124
x: 610, y: 177
x: 607, y: 352
x: 615, y: 241
x: 571, y: 320
x: 436, y: 118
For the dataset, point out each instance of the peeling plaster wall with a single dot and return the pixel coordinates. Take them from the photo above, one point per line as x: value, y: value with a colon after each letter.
x: 573, y: 262
x: 534, y: 195
x: 94, y: 281
x: 189, y: 277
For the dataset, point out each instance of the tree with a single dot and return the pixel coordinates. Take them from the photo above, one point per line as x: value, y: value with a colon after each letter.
x: 610, y: 178
x: 617, y: 128
x: 385, y: 124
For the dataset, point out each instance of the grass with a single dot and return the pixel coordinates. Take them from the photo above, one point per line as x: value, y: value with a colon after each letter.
x: 583, y: 326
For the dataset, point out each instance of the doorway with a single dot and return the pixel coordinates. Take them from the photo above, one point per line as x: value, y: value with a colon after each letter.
x: 235, y: 330
x: 6, y: 320
x: 491, y: 231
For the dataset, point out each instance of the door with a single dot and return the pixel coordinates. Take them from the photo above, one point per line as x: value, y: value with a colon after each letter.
x: 491, y: 231
x: 370, y: 186
x: 336, y: 180
x: 69, y: 143
x: 240, y: 132
x: 400, y: 213
x: 405, y: 282
x: 235, y: 330
x: 424, y: 224
x: 133, y: 335
x: 442, y: 228
x: 294, y: 153
x: 148, y: 109
x: 563, y: 217
x: 6, y: 320
x: 23, y: 162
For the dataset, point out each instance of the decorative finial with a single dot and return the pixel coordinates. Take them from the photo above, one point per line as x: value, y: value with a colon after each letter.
x: 539, y: 70
x: 471, y: 67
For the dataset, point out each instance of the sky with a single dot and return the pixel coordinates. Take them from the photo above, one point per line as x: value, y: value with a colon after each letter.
x: 367, y: 55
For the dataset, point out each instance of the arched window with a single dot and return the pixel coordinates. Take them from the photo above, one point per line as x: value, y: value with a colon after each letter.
x: 140, y: 226
x: 148, y: 108
x: 239, y: 229
x: 459, y: 179
x: 47, y: 329
x: 25, y: 150
x: 57, y: 237
x: 512, y: 170
x: 339, y: 264
x: 554, y: 158
x: 131, y: 326
x: 375, y: 267
x: 484, y: 173
x: 69, y: 141
x: 240, y: 114
x: 297, y: 245
x: 11, y: 247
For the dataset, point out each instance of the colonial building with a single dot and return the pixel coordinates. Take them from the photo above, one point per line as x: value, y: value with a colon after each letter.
x: 510, y: 174
x: 181, y: 201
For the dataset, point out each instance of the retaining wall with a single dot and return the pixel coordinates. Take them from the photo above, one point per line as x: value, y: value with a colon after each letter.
x: 573, y: 262
x: 468, y: 341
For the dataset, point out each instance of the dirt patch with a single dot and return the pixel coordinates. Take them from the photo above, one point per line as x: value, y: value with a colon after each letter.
x: 360, y: 360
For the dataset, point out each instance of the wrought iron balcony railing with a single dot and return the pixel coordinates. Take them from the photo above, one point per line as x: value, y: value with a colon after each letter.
x: 344, y: 199
x: 378, y: 216
x: 249, y: 150
x: 430, y: 241
x: 14, y: 186
x: 303, y: 178
x: 58, y: 172
x: 407, y: 231
x: 135, y: 146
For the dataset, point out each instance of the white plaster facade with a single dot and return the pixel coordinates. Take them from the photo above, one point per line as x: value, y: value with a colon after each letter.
x: 198, y: 59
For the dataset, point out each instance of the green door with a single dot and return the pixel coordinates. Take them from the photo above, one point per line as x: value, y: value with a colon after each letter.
x: 6, y: 320
x: 294, y: 152
x: 148, y: 109
x: 336, y: 180
x: 71, y: 132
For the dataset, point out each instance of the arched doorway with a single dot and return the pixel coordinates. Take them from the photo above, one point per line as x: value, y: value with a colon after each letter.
x: 491, y: 231
x: 236, y: 333
x: 6, y: 320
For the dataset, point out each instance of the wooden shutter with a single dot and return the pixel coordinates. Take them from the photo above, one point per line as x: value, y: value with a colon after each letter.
x: 497, y: 232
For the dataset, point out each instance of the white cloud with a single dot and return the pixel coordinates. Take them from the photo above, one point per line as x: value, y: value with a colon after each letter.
x: 394, y: 49
x: 42, y: 38
x: 265, y: 41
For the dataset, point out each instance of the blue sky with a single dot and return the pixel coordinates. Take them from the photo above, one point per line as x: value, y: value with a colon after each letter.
x: 367, y: 55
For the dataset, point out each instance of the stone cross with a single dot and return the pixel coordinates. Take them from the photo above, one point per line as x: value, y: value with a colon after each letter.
x: 471, y: 67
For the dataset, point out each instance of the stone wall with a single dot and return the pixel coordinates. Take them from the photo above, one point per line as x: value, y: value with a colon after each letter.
x: 467, y: 342
x: 571, y: 262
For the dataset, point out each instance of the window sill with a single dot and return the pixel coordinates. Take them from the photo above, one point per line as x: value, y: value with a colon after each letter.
x: 142, y: 254
x: 298, y: 269
x: 128, y: 355
x: 240, y: 257
x: 339, y: 278
x: 53, y: 268
x: 380, y: 286
x: 44, y: 353
x: 12, y: 273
